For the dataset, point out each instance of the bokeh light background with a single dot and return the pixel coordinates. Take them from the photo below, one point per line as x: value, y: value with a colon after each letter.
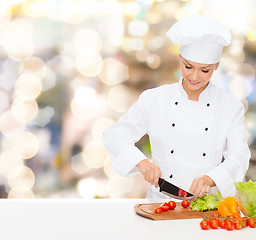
x: 69, y: 69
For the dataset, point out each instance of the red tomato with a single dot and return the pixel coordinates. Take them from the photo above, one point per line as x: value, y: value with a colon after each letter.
x: 229, y: 225
x: 204, y: 225
x: 214, y: 224
x: 185, y: 203
x: 164, y: 204
x: 251, y: 222
x: 215, y: 215
x: 244, y: 222
x: 222, y: 222
x: 158, y: 210
x: 172, y: 205
x: 165, y: 208
x: 238, y: 224
x: 182, y: 193
x: 231, y: 217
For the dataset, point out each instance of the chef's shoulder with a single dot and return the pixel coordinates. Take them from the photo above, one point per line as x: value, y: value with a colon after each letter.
x: 227, y: 101
x: 158, y: 93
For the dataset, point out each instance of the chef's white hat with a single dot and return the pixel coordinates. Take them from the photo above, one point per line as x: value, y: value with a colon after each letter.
x: 201, y: 39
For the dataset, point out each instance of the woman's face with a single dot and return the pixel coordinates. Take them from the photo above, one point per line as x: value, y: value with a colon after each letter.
x: 196, y: 76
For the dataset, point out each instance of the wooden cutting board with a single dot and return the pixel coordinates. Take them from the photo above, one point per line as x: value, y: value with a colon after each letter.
x: 147, y: 210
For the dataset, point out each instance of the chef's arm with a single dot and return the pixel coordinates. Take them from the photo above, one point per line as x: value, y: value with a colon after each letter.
x: 236, y: 157
x: 150, y: 172
x: 121, y: 137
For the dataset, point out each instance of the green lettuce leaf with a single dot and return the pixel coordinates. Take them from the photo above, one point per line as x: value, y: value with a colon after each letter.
x: 207, y: 202
x: 246, y: 194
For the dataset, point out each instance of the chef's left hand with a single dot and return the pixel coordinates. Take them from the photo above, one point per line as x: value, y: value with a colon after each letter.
x: 201, y: 185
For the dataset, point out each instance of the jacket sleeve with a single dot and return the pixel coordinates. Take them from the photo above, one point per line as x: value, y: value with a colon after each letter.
x: 121, y: 137
x: 236, y: 157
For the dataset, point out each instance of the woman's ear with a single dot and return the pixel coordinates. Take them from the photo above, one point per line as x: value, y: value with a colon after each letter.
x: 216, y: 66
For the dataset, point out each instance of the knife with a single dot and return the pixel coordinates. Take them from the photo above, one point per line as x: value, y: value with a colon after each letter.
x: 171, y: 190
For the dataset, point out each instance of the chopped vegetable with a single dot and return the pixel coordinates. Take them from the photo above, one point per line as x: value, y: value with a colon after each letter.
x: 247, y: 196
x: 207, y: 202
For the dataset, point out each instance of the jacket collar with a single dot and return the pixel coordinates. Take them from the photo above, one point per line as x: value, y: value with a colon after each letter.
x: 204, y: 96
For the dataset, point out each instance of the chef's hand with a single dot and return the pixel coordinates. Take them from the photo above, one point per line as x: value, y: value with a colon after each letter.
x: 149, y: 171
x: 201, y: 185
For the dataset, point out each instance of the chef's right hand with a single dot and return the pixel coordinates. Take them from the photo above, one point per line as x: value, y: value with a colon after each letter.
x: 149, y: 171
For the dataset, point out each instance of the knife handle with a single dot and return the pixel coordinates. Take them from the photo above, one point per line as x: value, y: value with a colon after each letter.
x: 160, y: 182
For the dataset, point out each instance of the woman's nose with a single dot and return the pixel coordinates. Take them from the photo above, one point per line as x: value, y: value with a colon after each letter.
x: 194, y: 75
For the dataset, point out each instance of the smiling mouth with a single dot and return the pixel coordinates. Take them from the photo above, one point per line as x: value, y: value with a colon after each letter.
x: 193, y: 82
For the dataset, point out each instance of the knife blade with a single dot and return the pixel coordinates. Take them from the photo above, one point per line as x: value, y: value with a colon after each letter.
x: 171, y: 190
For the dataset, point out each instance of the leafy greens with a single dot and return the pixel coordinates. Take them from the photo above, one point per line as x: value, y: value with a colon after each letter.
x: 207, y: 202
x: 246, y: 194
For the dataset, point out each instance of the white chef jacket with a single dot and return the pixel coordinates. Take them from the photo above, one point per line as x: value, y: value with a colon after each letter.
x: 188, y: 138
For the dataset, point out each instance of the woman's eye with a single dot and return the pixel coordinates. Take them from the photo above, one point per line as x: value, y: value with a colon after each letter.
x: 205, y: 71
x: 188, y: 67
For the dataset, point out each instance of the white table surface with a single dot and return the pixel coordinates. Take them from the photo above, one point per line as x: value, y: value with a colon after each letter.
x: 100, y: 219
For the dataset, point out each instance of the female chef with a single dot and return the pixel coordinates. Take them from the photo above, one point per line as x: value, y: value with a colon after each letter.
x: 192, y: 125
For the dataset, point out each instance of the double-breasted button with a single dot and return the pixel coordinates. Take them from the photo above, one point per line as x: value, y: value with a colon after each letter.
x: 173, y: 124
x: 204, y: 154
x: 171, y: 176
x: 172, y: 151
x: 208, y: 104
x: 206, y: 129
x: 176, y: 103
